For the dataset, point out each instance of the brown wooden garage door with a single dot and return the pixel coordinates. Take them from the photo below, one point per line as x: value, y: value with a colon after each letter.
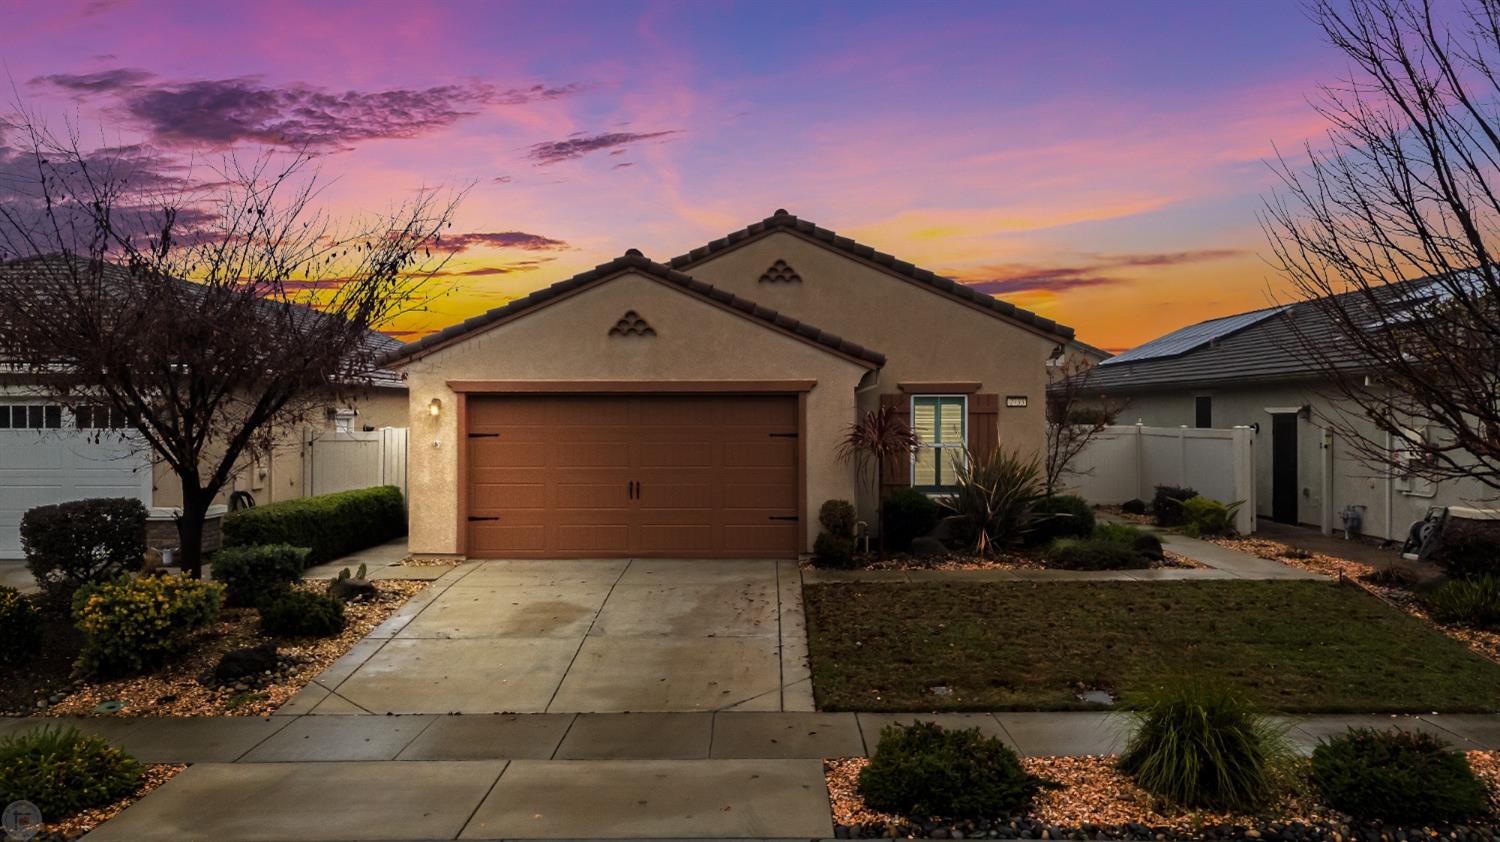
x: 569, y: 476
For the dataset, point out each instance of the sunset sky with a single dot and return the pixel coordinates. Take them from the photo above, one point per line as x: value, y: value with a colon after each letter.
x: 1101, y: 163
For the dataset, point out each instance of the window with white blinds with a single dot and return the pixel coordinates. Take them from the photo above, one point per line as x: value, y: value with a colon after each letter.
x: 941, y: 425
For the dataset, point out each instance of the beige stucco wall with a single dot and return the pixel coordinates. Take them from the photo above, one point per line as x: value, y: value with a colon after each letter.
x: 280, y: 477
x: 924, y: 334
x: 568, y: 340
x: 1350, y: 480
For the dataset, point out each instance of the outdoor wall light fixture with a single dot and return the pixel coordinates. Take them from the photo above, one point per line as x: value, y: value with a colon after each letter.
x: 436, y: 407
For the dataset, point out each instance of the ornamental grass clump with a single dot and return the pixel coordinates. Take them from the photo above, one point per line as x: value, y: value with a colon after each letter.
x: 136, y: 623
x: 924, y: 770
x: 1402, y: 777
x: 1205, y: 746
x: 62, y: 771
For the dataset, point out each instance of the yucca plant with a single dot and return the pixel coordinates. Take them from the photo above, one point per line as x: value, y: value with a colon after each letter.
x: 872, y: 442
x: 1204, y: 745
x: 993, y: 496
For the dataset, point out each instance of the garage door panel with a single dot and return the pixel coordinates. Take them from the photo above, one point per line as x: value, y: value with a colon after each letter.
x: 711, y: 475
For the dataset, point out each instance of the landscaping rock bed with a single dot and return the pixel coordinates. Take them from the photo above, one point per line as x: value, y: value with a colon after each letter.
x: 188, y: 686
x: 1097, y: 801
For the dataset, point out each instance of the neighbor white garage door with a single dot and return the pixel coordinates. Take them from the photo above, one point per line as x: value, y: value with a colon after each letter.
x: 40, y: 467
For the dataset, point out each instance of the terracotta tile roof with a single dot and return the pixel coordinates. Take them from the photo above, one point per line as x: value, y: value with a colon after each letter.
x: 633, y: 259
x: 783, y: 221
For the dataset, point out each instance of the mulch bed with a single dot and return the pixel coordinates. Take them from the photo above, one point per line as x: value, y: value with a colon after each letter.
x: 1366, y: 576
x: 153, y: 776
x: 1097, y: 801
x: 184, y: 687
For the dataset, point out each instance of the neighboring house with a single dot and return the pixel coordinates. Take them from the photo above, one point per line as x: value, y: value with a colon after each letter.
x: 53, y: 453
x: 1245, y: 370
x: 694, y: 408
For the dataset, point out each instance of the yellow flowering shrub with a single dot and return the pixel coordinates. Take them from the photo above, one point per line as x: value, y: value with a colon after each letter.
x: 134, y: 624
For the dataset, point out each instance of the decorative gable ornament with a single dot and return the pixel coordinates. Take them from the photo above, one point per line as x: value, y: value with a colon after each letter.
x: 631, y: 324
x: 780, y: 273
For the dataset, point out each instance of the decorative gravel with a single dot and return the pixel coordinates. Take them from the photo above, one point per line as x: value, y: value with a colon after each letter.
x: 1097, y: 801
x: 1483, y: 642
x: 185, y: 686
x: 153, y: 776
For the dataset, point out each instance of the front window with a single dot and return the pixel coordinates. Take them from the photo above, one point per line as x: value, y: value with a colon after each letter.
x: 941, y: 424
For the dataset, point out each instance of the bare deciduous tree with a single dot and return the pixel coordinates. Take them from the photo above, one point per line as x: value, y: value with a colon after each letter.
x: 208, y: 322
x: 1074, y: 416
x: 1385, y: 231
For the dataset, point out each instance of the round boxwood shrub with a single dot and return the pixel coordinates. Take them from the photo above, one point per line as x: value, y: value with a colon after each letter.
x: 1059, y: 516
x: 1203, y: 745
x: 1402, y: 777
x: 905, y: 514
x: 1093, y: 554
x: 20, y: 627
x: 250, y: 574
x: 136, y: 623
x: 63, y: 771
x: 924, y: 770
x: 302, y: 614
x: 81, y: 542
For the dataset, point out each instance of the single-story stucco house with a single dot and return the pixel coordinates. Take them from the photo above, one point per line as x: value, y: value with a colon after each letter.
x: 1245, y: 370
x: 694, y: 408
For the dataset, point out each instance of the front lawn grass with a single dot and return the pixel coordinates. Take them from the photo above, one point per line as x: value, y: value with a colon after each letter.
x: 1294, y: 646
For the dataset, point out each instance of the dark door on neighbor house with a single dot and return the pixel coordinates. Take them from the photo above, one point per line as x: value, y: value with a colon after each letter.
x: 1284, y: 467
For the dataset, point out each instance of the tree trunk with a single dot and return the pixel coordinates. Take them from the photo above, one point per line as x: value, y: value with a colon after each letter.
x: 195, y: 504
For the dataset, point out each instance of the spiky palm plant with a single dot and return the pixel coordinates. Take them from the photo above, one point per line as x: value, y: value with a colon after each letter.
x: 994, y: 495
x: 873, y: 441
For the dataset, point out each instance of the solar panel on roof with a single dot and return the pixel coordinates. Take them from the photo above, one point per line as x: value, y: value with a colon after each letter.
x: 1193, y: 336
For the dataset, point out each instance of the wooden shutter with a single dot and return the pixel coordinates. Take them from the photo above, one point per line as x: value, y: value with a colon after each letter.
x: 896, y: 475
x: 984, y: 425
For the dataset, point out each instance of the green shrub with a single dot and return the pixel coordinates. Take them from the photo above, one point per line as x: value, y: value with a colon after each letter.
x: 1468, y: 548
x: 907, y: 513
x: 136, y: 623
x: 1206, y: 516
x: 329, y: 525
x: 63, y: 771
x: 1204, y: 746
x: 1396, y: 776
x: 837, y: 518
x: 250, y: 574
x: 20, y: 627
x: 833, y: 551
x: 1133, y: 507
x: 992, y: 498
x: 1467, y: 602
x: 1060, y: 516
x: 924, y: 770
x: 1092, y: 554
x: 302, y: 614
x: 1165, y: 504
x: 81, y: 542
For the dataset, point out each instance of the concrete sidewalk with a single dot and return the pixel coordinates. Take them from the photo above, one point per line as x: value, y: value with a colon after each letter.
x: 720, y: 775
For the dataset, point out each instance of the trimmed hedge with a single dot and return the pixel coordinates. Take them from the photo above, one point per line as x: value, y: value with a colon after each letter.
x: 250, y: 574
x: 330, y: 525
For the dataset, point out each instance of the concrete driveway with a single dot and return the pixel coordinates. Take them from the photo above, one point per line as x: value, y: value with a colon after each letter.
x: 582, y: 636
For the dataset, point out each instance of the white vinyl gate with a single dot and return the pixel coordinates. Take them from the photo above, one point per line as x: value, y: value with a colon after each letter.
x: 42, y: 467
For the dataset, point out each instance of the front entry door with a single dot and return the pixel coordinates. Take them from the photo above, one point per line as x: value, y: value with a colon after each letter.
x: 1284, y: 487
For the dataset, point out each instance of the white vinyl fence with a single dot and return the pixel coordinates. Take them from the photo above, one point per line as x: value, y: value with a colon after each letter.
x: 342, y: 461
x: 1128, y: 462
